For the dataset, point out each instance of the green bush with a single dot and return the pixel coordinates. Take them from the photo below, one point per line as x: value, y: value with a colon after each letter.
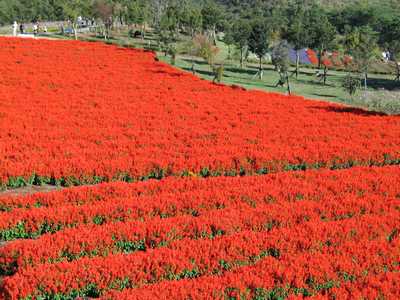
x: 351, y: 84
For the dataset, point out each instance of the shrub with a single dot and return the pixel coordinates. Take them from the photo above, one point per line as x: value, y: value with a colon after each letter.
x: 205, y: 49
x: 350, y: 84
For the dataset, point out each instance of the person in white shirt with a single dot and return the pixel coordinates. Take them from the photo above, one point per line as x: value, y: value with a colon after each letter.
x: 15, y: 28
x: 35, y: 29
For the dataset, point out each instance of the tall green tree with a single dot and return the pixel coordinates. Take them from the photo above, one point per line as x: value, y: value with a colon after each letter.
x: 298, y: 31
x: 241, y: 30
x: 281, y: 61
x: 212, y: 16
x: 258, y: 42
x: 390, y: 39
x: 361, y: 43
x: 321, y: 32
x: 74, y: 9
x: 229, y: 39
x: 138, y: 13
x: 192, y: 19
x: 168, y: 30
x: 103, y: 10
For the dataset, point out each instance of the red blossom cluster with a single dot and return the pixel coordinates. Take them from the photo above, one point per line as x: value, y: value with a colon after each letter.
x: 312, y: 229
x: 92, y: 112
x: 312, y: 56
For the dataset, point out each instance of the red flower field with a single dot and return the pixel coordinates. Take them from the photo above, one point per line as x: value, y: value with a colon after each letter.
x: 259, y: 195
x: 322, y: 233
x: 74, y: 113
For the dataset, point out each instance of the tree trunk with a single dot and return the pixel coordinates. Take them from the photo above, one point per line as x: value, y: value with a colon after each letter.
x: 288, y: 84
x: 397, y: 71
x: 214, y: 35
x: 319, y: 58
x: 241, y: 57
x: 325, y: 74
x: 260, y: 69
x: 365, y: 80
x: 297, y: 63
x: 75, y: 31
x: 193, y: 69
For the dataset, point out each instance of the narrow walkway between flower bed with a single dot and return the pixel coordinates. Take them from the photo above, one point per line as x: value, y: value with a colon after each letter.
x: 29, y: 190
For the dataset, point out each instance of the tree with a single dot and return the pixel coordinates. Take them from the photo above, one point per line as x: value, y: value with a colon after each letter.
x: 229, y: 39
x: 103, y: 10
x: 73, y: 9
x: 193, y: 20
x: 157, y: 8
x: 211, y: 16
x: 258, y: 42
x: 297, y: 33
x: 390, y: 37
x: 322, y: 33
x: 281, y: 60
x: 168, y: 29
x: 119, y: 11
x: 241, y: 29
x: 361, y: 43
x: 205, y: 49
x: 326, y: 62
x: 138, y: 13
x: 350, y: 84
x: 395, y: 51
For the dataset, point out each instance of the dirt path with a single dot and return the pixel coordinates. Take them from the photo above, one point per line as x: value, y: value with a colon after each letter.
x: 30, y: 189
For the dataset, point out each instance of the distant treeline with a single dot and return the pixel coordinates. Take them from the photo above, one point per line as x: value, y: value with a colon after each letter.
x: 341, y: 13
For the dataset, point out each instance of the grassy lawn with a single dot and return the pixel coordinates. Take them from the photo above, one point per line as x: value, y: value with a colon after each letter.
x: 381, y: 86
x: 307, y: 85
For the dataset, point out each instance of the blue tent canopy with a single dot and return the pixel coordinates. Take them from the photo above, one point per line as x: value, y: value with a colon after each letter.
x: 304, y: 59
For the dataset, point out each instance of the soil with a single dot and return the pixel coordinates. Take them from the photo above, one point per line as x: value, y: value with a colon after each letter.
x: 30, y: 189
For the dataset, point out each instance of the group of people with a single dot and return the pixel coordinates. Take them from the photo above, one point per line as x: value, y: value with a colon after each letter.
x: 21, y: 28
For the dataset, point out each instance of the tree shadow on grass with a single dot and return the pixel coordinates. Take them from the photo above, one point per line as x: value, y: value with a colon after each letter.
x: 199, y: 72
x: 253, y: 84
x: 173, y: 74
x: 382, y: 83
x: 350, y: 110
x: 324, y: 95
x: 240, y: 71
x: 313, y: 82
x: 196, y: 61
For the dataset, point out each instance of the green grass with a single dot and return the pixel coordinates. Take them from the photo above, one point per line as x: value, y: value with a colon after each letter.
x: 307, y: 84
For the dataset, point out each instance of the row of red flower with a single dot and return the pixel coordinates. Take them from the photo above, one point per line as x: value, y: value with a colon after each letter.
x: 204, y: 222
x: 325, y: 276
x: 211, y: 194
x: 137, y: 117
x: 130, y: 236
x: 352, y: 247
x: 357, y: 180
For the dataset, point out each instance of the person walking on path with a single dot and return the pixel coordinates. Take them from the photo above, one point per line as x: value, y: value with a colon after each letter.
x: 15, y: 28
x: 35, y: 29
x: 21, y: 28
